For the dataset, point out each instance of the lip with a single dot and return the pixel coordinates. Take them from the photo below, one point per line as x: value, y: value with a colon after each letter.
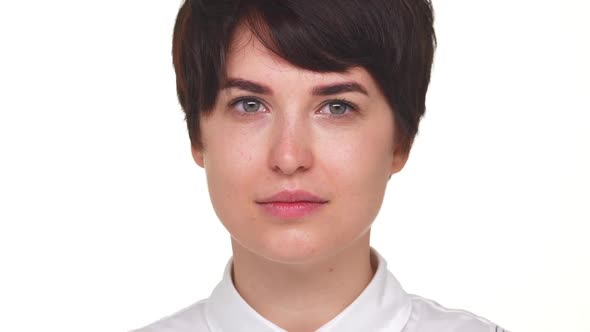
x: 292, y: 204
x: 290, y: 196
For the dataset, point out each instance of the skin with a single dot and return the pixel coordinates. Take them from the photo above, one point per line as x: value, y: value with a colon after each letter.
x: 317, y: 265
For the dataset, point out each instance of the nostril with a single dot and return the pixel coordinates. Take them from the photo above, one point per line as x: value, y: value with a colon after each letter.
x: 290, y: 151
x: 289, y: 170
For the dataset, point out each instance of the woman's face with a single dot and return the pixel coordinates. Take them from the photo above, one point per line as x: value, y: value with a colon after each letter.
x: 323, y: 140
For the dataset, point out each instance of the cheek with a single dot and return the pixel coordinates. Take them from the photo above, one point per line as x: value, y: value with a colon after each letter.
x: 357, y: 168
x: 357, y: 160
x: 230, y: 151
x: 232, y: 171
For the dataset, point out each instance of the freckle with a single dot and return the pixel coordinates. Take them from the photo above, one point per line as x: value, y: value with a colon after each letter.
x: 331, y: 269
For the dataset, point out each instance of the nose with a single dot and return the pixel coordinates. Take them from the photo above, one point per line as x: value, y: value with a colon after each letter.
x: 290, y: 146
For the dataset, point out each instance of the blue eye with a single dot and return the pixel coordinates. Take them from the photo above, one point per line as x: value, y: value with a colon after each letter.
x: 249, y: 105
x: 340, y: 108
x: 337, y: 108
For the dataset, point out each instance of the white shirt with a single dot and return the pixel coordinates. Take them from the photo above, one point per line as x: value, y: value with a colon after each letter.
x: 383, y: 306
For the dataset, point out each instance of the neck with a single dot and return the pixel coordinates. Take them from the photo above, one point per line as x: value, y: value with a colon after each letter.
x: 318, y: 291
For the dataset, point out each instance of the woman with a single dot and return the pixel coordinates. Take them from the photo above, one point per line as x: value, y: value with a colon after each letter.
x: 300, y: 112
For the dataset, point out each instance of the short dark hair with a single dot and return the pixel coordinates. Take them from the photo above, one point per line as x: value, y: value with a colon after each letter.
x: 394, y: 40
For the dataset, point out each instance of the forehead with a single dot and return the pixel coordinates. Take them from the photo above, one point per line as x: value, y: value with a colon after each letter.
x: 247, y: 58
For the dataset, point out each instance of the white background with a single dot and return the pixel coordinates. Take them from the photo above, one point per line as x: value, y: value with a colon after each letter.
x: 105, y: 220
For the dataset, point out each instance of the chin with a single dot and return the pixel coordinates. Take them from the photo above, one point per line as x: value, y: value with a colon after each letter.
x: 293, y: 246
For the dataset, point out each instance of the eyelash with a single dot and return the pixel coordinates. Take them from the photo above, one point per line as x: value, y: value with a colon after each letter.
x: 350, y: 106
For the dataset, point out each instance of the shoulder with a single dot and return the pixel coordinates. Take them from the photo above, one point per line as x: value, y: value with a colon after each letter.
x: 428, y: 315
x: 189, y: 319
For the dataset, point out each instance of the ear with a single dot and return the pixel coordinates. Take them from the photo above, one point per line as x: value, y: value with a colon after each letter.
x: 400, y: 157
x: 198, y: 156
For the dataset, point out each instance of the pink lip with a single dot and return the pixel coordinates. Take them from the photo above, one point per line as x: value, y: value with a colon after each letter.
x: 292, y: 204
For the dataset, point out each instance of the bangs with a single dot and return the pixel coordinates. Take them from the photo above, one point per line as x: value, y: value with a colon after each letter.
x: 320, y: 36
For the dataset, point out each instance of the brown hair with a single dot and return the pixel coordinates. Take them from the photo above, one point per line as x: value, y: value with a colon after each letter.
x: 394, y: 40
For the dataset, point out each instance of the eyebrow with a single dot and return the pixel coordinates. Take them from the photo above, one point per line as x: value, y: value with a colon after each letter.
x: 323, y: 90
x: 332, y: 89
x: 247, y: 86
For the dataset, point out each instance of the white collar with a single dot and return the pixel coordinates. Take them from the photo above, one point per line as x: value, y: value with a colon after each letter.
x: 382, y: 304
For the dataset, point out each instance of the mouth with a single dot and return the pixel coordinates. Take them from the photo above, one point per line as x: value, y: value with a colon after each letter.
x: 292, y: 204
